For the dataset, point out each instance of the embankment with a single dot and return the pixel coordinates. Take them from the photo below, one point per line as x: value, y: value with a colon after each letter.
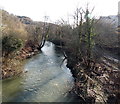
x: 13, y: 66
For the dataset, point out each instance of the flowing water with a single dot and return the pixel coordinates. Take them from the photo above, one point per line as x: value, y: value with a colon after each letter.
x: 45, y: 81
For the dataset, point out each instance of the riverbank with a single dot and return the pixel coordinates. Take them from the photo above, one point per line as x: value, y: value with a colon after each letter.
x: 101, y: 84
x: 13, y: 66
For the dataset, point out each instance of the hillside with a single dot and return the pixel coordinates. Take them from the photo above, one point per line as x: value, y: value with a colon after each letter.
x: 10, y: 23
x: 106, y: 29
x: 18, y: 44
x: 112, y: 19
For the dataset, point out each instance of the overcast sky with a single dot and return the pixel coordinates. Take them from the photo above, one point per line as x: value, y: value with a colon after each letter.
x: 56, y: 9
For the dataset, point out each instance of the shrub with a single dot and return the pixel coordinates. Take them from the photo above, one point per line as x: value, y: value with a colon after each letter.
x: 10, y: 44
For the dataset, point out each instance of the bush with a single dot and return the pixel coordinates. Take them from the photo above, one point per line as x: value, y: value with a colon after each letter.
x: 10, y: 44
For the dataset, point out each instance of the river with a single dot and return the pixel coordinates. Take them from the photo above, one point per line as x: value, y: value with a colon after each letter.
x: 46, y: 80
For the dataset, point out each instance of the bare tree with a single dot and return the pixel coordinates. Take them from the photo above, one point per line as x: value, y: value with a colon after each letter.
x: 45, y: 32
